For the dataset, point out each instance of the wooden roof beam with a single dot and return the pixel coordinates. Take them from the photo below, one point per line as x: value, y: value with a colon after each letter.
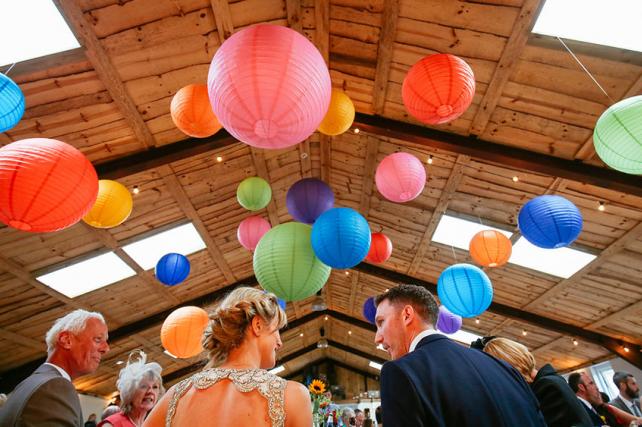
x: 223, y: 18
x: 336, y: 362
x: 293, y: 8
x: 390, y: 16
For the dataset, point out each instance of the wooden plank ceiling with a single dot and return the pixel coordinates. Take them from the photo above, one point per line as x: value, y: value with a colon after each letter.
x: 111, y: 98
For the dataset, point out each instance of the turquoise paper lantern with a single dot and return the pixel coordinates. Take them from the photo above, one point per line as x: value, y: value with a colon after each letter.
x: 12, y: 103
x: 465, y: 290
x: 285, y: 264
x: 341, y: 237
x: 550, y: 221
x: 618, y: 136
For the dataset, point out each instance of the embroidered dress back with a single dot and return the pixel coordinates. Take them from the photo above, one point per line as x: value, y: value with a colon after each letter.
x: 270, y: 386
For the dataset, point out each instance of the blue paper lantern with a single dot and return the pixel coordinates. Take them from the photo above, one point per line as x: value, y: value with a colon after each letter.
x: 308, y: 198
x: 448, y: 322
x: 369, y: 310
x: 341, y: 237
x: 550, y: 221
x: 281, y: 303
x: 465, y: 290
x: 172, y: 269
x: 12, y: 103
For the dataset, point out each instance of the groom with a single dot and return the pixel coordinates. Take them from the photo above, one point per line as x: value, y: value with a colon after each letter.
x: 434, y: 381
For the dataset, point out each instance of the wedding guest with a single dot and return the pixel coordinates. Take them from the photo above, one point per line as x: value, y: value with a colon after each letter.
x: 346, y: 416
x: 378, y: 416
x: 556, y: 399
x: 75, y: 346
x: 358, y: 417
x: 91, y: 421
x: 628, y: 400
x: 433, y: 381
x: 235, y: 389
x: 108, y: 411
x: 140, y: 385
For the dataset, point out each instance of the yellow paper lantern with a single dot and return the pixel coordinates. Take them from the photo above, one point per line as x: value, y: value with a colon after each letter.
x: 113, y: 205
x: 340, y: 114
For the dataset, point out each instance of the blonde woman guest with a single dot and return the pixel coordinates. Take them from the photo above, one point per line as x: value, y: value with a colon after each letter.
x: 235, y: 389
x: 140, y: 386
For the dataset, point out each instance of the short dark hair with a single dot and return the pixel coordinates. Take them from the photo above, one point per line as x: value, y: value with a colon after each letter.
x: 574, y: 380
x: 418, y: 297
x: 621, y: 377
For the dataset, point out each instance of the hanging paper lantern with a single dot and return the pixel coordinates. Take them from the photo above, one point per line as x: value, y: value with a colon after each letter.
x: 465, y: 290
x: 438, y: 88
x: 285, y: 264
x: 172, y: 269
x: 380, y: 248
x: 112, y: 207
x: 45, y: 185
x: 254, y: 193
x: 550, y: 221
x: 269, y: 86
x: 12, y: 103
x: 250, y: 231
x: 341, y: 237
x: 182, y: 331
x: 340, y: 114
x: 308, y: 198
x: 490, y: 248
x: 369, y: 310
x: 191, y: 112
x: 282, y: 303
x: 400, y: 177
x: 618, y: 136
x: 447, y: 322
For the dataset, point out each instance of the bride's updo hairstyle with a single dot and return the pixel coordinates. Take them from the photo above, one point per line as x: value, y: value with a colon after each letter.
x: 231, y: 317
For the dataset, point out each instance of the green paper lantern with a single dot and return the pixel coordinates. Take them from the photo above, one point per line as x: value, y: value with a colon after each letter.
x: 618, y: 136
x: 254, y: 193
x: 285, y: 264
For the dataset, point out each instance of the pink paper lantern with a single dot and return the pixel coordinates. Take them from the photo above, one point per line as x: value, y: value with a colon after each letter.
x: 400, y: 177
x: 269, y: 86
x: 250, y: 231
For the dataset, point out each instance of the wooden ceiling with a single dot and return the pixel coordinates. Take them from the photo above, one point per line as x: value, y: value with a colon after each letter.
x: 532, y: 117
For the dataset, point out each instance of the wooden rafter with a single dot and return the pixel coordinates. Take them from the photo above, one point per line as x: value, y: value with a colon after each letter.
x: 325, y: 154
x: 387, y: 35
x: 223, y: 18
x: 21, y: 340
x: 322, y: 28
x: 258, y: 160
x: 294, y: 14
x: 306, y: 161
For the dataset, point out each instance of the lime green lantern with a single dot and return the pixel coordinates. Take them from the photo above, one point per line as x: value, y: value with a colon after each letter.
x: 285, y: 264
x: 254, y: 193
x: 618, y: 136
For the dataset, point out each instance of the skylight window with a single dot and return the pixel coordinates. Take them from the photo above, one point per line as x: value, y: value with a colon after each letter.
x: 88, y: 275
x: 457, y: 232
x: 31, y: 29
x: 375, y: 365
x: 613, y: 23
x: 277, y: 370
x: 464, y: 337
x: 183, y: 240
x: 562, y: 262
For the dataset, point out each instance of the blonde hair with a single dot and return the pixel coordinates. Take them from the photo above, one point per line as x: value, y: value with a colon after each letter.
x: 516, y: 354
x: 133, y: 374
x: 231, y: 317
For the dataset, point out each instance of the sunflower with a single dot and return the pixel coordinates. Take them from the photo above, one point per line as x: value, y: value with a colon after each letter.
x: 317, y: 387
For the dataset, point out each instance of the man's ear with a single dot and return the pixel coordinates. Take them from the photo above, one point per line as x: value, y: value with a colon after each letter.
x: 64, y: 340
x: 257, y: 325
x: 407, y: 314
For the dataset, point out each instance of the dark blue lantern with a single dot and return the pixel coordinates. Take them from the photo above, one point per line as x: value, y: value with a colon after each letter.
x: 308, y: 198
x: 12, y: 103
x: 369, y: 310
x: 465, y: 290
x: 281, y: 303
x: 172, y: 269
x: 341, y: 238
x: 550, y: 221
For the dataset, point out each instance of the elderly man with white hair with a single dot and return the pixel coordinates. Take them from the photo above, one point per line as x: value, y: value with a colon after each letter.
x: 75, y: 346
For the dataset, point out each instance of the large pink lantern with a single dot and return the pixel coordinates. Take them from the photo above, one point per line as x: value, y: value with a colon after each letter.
x: 400, y: 177
x: 269, y: 86
x: 250, y: 231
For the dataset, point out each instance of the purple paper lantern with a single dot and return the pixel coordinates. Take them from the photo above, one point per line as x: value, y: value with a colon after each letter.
x: 308, y: 198
x: 448, y: 322
x: 369, y: 310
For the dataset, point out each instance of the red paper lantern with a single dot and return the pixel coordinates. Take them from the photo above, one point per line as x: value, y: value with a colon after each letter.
x: 490, y: 248
x: 45, y: 185
x: 380, y: 248
x: 438, y: 88
x: 192, y: 112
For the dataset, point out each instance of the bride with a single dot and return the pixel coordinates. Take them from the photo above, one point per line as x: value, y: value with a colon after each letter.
x: 235, y: 389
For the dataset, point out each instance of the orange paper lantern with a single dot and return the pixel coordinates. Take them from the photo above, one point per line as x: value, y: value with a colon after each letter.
x: 182, y: 331
x: 490, y: 248
x: 380, y: 248
x: 438, y: 88
x: 192, y: 112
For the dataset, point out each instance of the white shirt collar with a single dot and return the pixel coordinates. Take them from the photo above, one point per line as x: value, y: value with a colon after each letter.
x: 586, y: 403
x: 62, y: 371
x: 423, y: 334
x: 626, y: 401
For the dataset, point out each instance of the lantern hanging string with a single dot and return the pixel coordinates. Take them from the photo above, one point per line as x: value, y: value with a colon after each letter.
x: 586, y: 70
x: 6, y: 73
x: 454, y: 255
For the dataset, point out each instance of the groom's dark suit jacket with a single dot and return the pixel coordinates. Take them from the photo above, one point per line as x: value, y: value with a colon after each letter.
x: 444, y: 384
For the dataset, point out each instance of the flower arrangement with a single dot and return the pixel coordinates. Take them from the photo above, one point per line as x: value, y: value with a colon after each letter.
x: 321, y: 403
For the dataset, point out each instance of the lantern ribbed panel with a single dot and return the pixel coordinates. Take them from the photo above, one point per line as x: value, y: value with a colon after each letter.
x: 618, y: 136
x: 438, y: 88
x: 250, y: 231
x: 112, y: 207
x: 192, y: 113
x: 369, y: 310
x: 448, y: 322
x: 550, y: 221
x: 465, y: 290
x: 269, y: 86
x: 400, y: 177
x: 340, y: 114
x: 490, y: 248
x: 380, y: 248
x: 12, y: 103
x: 341, y: 237
x: 285, y: 264
x: 254, y: 193
x: 45, y: 185
x: 308, y: 198
x: 172, y: 269
x: 182, y: 331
